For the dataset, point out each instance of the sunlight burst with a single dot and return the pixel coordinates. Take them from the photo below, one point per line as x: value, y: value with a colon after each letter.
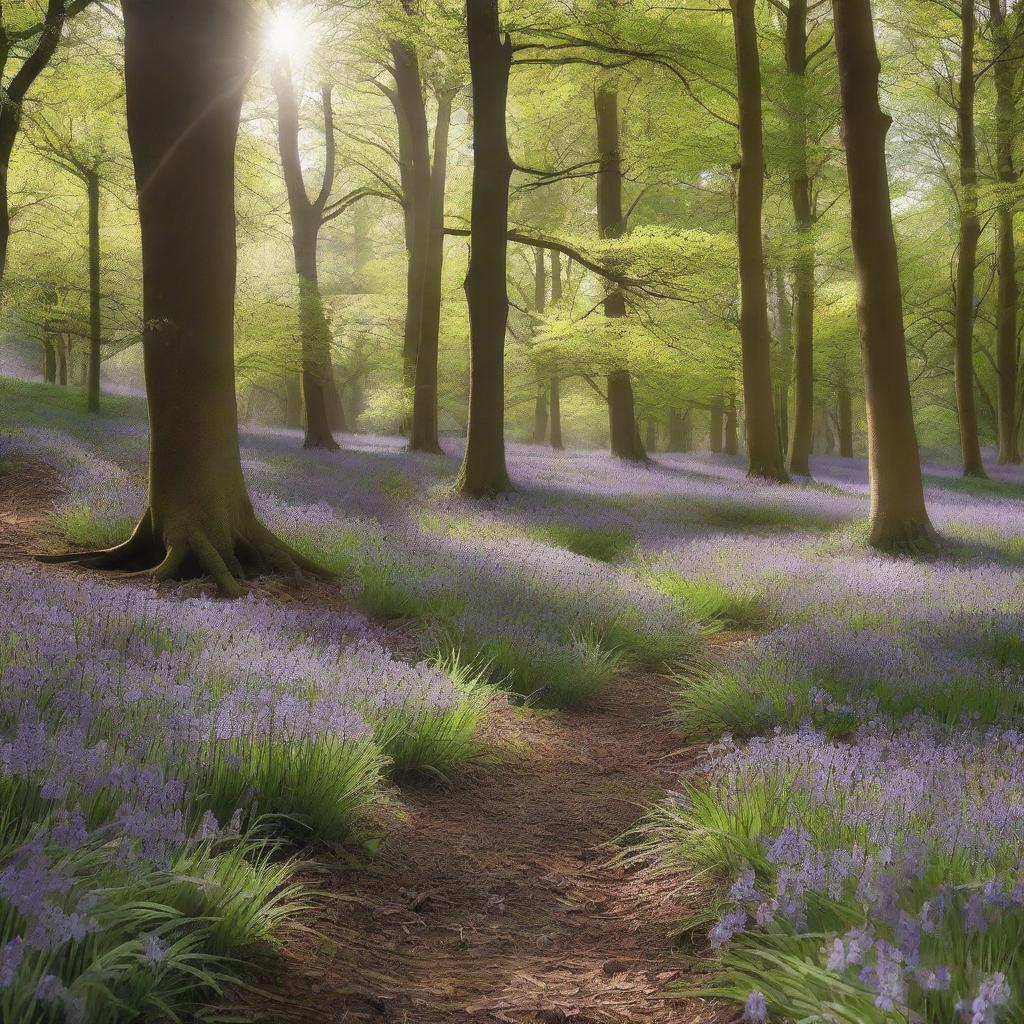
x: 287, y: 35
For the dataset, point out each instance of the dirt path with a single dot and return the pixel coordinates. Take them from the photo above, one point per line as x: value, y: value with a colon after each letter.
x: 493, y: 899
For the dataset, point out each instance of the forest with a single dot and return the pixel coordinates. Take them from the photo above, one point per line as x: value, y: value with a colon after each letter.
x: 511, y: 512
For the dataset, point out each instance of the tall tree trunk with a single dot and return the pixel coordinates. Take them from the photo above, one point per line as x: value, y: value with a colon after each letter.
x: 95, y: 318
x: 899, y: 519
x: 763, y: 452
x: 803, y: 267
x: 970, y: 231
x: 845, y: 422
x: 424, y: 434
x: 651, y: 441
x: 732, y: 431
x: 49, y: 360
x: 785, y: 363
x: 716, y: 425
x: 318, y: 388
x: 199, y: 517
x: 1006, y: 68
x: 625, y: 437
x: 540, y: 298
x: 62, y: 360
x: 293, y: 402
x: 484, y: 472
x: 411, y: 109
x: 680, y: 430
x: 554, y: 384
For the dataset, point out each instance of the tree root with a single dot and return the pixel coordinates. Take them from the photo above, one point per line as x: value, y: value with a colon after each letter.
x: 229, y: 557
x: 914, y: 538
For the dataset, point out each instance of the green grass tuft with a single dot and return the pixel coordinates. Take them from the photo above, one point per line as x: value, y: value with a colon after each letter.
x: 603, y: 544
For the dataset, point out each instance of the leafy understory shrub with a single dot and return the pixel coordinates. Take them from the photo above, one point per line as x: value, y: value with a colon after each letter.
x: 875, y: 880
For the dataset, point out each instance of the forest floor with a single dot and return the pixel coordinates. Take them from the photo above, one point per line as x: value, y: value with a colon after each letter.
x: 496, y: 897
x: 499, y: 899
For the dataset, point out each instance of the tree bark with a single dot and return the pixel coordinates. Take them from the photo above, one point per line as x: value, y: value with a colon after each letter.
x: 680, y: 430
x: 484, y: 472
x: 716, y: 425
x: 95, y: 316
x: 424, y: 432
x: 49, y: 361
x: 785, y: 362
x: 199, y: 518
x: 416, y: 177
x: 62, y: 361
x: 318, y: 387
x: 293, y: 402
x: 1005, y: 70
x: 554, y: 383
x: 540, y: 298
x: 803, y: 269
x: 845, y: 422
x: 732, y: 431
x: 651, y: 440
x: 764, y: 455
x: 967, y: 258
x: 898, y: 520
x: 625, y: 437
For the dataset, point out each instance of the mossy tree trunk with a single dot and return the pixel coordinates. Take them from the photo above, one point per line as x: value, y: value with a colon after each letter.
x: 899, y: 519
x: 967, y: 252
x: 622, y: 426
x: 484, y: 472
x: 199, y: 518
x: 764, y: 455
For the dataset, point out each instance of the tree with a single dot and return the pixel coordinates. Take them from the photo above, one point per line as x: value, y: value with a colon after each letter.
x: 764, y: 454
x: 554, y: 381
x: 899, y: 520
x: 623, y: 430
x: 483, y: 471
x: 805, y: 215
x: 967, y: 253
x: 199, y: 518
x: 308, y: 216
x: 1006, y: 61
x: 35, y: 45
x: 424, y: 434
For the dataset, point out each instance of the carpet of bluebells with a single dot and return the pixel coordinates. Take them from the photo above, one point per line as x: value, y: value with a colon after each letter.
x: 862, y: 798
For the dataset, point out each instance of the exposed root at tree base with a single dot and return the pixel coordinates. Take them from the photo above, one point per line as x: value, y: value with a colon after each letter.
x: 228, y: 556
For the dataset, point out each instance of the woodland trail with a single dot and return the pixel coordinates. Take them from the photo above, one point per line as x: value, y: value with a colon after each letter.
x: 495, y: 896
